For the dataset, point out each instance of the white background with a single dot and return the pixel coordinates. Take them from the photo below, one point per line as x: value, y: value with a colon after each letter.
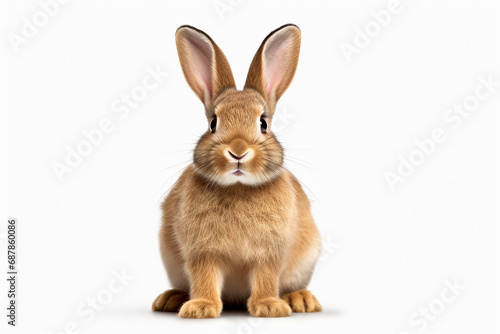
x: 388, y: 253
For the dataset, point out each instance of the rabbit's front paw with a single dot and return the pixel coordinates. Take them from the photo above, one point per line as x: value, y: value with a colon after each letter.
x: 170, y: 301
x: 269, y: 307
x: 302, y: 301
x: 201, y: 308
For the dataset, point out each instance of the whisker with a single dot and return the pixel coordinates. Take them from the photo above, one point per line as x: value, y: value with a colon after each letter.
x: 180, y: 163
x: 162, y: 196
x: 302, y: 183
x: 298, y: 163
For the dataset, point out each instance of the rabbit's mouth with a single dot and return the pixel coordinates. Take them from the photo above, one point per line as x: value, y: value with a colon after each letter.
x: 237, y: 172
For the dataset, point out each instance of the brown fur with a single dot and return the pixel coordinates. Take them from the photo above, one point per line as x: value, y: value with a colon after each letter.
x: 246, y: 242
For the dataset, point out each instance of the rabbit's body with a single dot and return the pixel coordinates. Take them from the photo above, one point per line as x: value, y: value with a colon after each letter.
x: 237, y: 226
x: 200, y: 218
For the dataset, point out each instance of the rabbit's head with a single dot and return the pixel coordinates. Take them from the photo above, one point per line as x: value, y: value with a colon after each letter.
x: 239, y: 145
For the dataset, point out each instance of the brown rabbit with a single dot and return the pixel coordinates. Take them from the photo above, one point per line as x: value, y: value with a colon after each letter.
x: 237, y: 226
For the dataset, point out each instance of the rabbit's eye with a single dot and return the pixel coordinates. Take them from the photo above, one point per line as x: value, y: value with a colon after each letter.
x: 213, y: 124
x: 263, y: 125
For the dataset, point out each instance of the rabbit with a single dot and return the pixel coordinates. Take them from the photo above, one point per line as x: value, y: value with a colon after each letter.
x: 236, y: 226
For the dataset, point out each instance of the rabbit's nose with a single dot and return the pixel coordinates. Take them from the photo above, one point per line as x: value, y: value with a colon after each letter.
x: 237, y: 157
x: 238, y: 149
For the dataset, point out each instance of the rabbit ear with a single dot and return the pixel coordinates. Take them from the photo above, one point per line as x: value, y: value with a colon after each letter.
x: 204, y: 65
x: 274, y: 64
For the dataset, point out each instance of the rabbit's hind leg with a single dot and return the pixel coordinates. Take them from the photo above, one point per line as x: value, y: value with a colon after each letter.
x: 170, y: 301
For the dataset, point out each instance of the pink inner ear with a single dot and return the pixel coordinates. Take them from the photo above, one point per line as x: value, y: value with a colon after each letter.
x: 275, y: 61
x: 201, y: 62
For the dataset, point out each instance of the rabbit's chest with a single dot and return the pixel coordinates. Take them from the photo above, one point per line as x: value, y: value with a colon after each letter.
x: 237, y: 227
